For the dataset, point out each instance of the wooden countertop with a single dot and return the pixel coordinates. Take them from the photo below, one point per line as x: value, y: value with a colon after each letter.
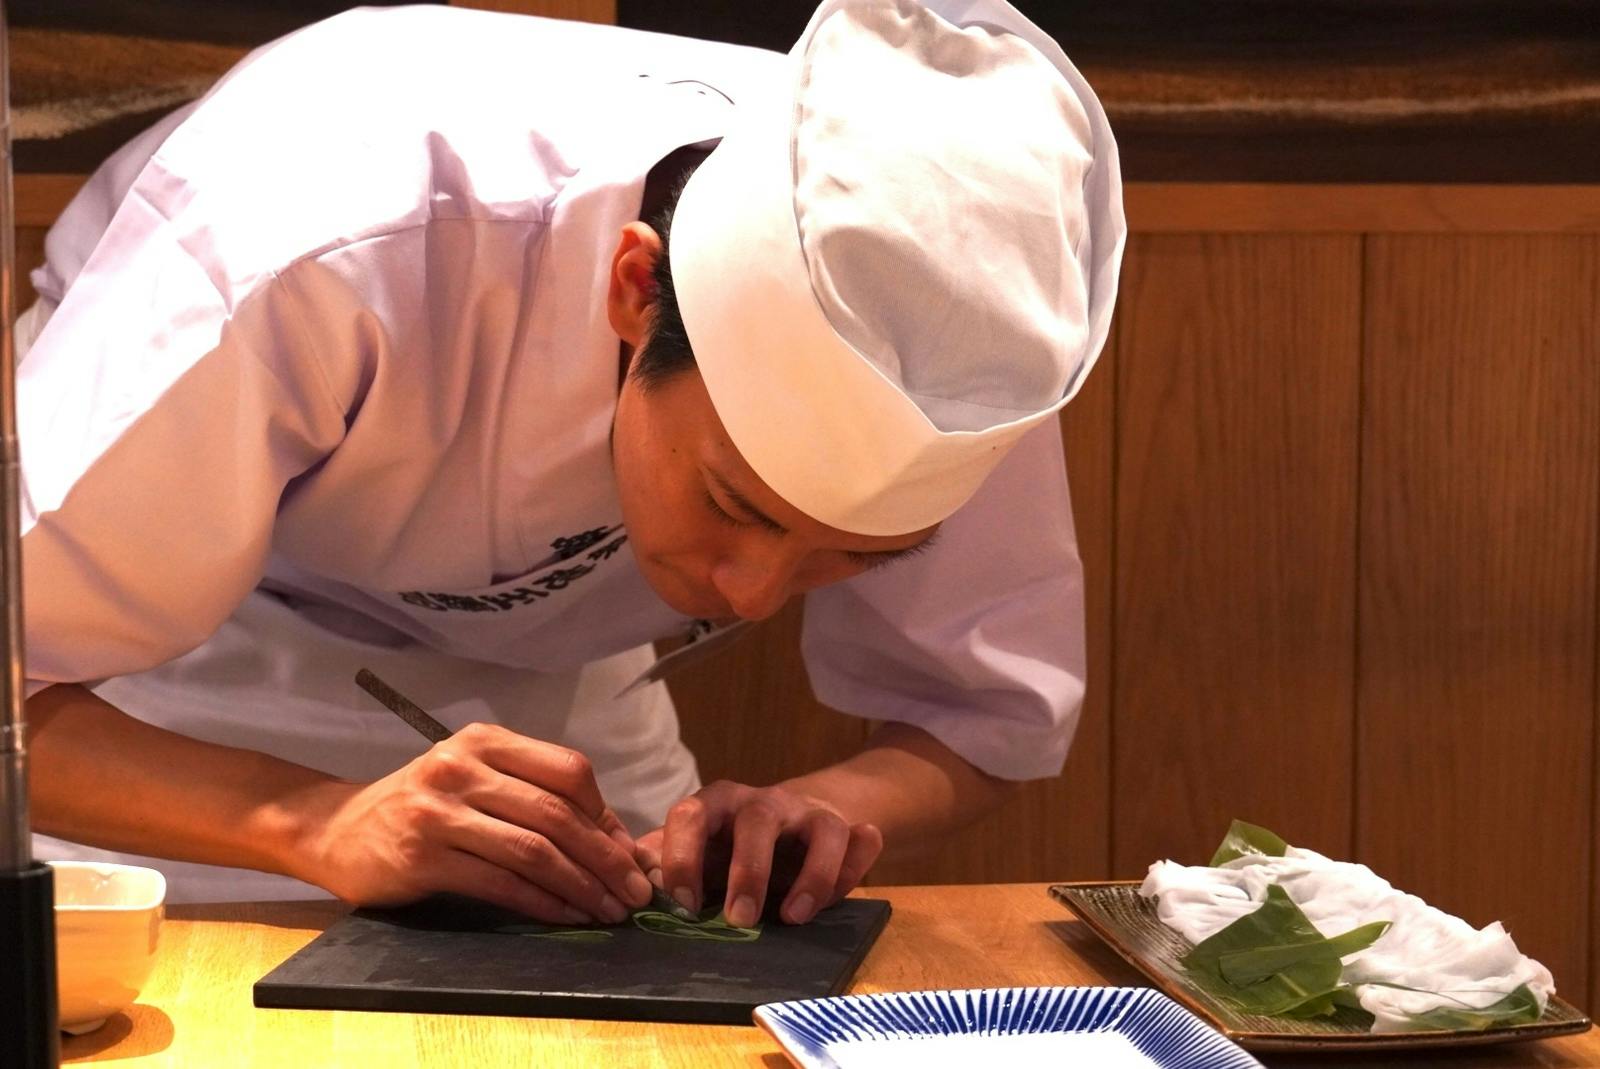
x: 196, y: 1008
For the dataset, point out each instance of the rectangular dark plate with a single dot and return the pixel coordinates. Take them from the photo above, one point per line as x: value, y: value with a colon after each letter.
x: 1128, y: 923
x: 444, y: 956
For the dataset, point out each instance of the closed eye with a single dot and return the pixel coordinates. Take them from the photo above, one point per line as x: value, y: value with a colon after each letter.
x: 871, y: 561
x: 722, y: 514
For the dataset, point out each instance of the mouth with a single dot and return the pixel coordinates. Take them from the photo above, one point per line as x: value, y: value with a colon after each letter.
x: 684, y: 595
x: 716, y: 613
x: 712, y: 608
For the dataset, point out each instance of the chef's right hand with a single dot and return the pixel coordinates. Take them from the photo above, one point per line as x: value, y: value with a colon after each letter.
x: 486, y: 813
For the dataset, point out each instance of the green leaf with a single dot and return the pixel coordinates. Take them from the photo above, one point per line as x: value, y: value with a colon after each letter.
x: 1274, y: 961
x: 712, y: 925
x: 1519, y: 1007
x: 1241, y: 967
x: 545, y: 931
x: 1245, y: 839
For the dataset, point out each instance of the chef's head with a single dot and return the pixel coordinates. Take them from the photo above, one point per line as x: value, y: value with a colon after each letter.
x: 899, y: 260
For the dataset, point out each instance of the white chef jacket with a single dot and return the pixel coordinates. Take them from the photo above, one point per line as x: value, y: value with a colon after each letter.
x: 325, y: 381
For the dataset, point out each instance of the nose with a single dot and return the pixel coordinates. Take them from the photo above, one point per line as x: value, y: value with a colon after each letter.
x: 755, y: 585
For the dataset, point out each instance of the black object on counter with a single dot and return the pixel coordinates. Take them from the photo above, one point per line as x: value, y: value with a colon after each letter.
x: 443, y: 956
x: 28, y: 1019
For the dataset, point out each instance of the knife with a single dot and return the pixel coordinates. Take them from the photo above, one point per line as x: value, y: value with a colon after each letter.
x: 433, y: 731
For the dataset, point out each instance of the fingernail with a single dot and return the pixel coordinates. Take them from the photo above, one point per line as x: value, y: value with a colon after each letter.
x: 685, y: 898
x: 638, y: 888
x: 612, y: 910
x: 800, y: 909
x: 743, y: 913
x: 572, y: 916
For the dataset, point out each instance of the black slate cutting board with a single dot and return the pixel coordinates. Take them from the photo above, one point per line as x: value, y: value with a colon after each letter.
x: 442, y: 956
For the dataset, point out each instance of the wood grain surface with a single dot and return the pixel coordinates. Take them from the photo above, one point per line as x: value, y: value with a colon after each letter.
x: 1235, y: 543
x: 1220, y: 207
x: 748, y: 713
x: 1481, y: 443
x: 1322, y: 208
x: 30, y: 254
x: 196, y: 1010
x: 604, y: 11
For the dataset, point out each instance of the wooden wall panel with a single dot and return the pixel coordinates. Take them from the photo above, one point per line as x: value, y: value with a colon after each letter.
x: 41, y: 197
x: 1057, y: 829
x: 30, y: 254
x: 747, y: 712
x: 604, y: 11
x: 1310, y: 208
x: 1481, y: 443
x: 1235, y: 542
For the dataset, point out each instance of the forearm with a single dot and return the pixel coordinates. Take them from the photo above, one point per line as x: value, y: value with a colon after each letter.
x: 103, y: 778
x: 909, y: 784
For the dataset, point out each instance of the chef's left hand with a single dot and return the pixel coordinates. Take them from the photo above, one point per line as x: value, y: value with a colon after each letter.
x: 837, y: 853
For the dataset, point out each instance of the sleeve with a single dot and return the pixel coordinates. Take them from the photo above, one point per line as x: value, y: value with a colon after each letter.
x: 979, y: 641
x: 162, y: 411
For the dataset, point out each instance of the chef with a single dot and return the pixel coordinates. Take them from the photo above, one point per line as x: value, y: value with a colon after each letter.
x: 482, y: 351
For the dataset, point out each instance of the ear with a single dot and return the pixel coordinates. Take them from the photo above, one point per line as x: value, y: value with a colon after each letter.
x: 633, y: 287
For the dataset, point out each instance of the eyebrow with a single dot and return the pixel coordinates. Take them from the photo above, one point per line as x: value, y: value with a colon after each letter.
x: 880, y: 556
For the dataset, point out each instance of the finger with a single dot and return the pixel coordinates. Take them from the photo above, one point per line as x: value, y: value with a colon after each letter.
x: 755, y: 833
x: 462, y: 873
x: 647, y: 855
x: 612, y: 825
x: 866, y: 843
x: 555, y: 768
x: 683, y: 845
x: 568, y: 775
x: 574, y: 835
x: 461, y: 775
x: 827, y: 839
x: 537, y: 860
x: 687, y: 836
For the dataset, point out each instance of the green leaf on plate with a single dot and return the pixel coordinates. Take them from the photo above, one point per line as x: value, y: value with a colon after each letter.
x: 1245, y: 839
x: 1242, y: 967
x: 1274, y: 961
x: 1519, y: 1007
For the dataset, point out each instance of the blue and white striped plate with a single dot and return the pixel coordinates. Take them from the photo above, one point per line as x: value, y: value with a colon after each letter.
x: 1099, y: 1026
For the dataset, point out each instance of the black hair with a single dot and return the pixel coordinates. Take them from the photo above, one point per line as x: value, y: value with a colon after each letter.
x: 665, y: 351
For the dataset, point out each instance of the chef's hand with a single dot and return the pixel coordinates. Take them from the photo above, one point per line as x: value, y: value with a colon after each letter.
x: 759, y: 821
x: 487, y: 813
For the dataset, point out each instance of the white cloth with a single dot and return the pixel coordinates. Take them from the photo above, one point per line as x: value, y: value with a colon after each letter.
x: 1450, y: 964
x: 337, y: 332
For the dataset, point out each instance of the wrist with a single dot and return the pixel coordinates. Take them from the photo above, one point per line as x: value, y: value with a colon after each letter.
x: 292, y: 829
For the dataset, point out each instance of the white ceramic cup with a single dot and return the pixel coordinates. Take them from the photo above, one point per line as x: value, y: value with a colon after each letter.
x: 107, y: 921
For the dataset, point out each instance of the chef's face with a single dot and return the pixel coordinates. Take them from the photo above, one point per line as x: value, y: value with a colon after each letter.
x: 711, y: 538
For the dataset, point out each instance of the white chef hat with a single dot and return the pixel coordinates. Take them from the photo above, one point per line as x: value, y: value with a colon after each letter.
x: 901, y: 257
